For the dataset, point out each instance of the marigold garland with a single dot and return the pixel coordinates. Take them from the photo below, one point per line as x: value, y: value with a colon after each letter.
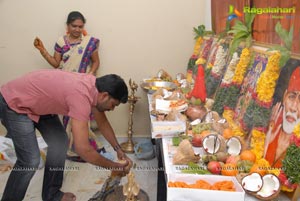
x: 239, y: 74
x: 197, y: 46
x: 265, y: 89
x: 286, y: 189
x: 195, y: 54
x: 228, y: 114
x: 263, y: 163
x: 257, y: 142
x: 266, y: 83
x: 297, y: 130
x: 241, y: 67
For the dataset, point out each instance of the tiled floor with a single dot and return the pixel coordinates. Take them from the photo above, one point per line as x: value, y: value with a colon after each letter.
x: 85, y: 180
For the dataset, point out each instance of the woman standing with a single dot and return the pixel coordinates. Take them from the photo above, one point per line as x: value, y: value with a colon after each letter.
x: 74, y: 52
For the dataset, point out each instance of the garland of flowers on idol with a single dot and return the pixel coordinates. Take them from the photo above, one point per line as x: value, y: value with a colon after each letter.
x: 200, y: 32
x: 199, y: 89
x: 193, y: 58
x: 214, y: 77
x: 221, y: 93
x: 233, y: 91
x: 258, y: 112
x: 205, y: 51
x: 195, y: 54
x: 211, y: 59
x: 228, y: 93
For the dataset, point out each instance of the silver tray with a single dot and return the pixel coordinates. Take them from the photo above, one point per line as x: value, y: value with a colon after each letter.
x: 151, y: 87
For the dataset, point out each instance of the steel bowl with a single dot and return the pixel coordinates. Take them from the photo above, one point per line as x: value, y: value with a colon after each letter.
x: 151, y: 87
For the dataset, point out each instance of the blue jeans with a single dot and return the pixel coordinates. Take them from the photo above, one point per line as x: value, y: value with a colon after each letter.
x: 21, y: 130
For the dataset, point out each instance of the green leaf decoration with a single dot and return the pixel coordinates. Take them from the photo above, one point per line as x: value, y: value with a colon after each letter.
x: 240, y: 26
x: 234, y: 45
x: 248, y: 41
x: 289, y: 40
x: 200, y: 31
x: 249, y: 17
x: 256, y: 116
x: 285, y: 49
x: 291, y: 163
x: 219, y: 102
x: 241, y: 32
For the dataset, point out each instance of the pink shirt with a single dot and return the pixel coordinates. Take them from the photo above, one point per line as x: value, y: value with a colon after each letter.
x: 52, y: 92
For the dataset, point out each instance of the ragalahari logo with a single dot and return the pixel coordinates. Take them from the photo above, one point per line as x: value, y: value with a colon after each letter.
x: 233, y: 13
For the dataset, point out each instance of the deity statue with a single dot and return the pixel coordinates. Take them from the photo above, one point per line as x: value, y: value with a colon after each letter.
x: 131, y: 189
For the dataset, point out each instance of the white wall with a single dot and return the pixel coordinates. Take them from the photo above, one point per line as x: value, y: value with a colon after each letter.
x: 138, y: 37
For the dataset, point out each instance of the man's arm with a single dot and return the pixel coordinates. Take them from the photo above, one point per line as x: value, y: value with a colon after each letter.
x: 86, y: 151
x: 107, y: 131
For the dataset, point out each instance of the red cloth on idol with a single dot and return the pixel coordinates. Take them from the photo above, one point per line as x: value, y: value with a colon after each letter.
x: 272, y: 147
x: 294, y: 83
x: 199, y: 90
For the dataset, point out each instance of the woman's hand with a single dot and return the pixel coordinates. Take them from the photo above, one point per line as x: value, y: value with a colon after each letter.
x: 38, y: 44
x: 92, y: 73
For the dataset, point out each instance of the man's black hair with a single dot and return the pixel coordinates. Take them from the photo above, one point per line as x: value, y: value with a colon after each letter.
x: 114, y: 85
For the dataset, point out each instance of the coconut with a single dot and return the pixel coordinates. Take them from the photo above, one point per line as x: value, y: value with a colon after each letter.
x: 252, y: 183
x: 239, y: 177
x: 213, y: 143
x: 270, y: 189
x: 234, y: 146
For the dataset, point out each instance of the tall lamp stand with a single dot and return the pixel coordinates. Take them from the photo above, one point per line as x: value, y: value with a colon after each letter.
x: 127, y: 147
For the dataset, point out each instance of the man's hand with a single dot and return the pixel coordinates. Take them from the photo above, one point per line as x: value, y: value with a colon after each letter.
x: 123, y: 157
x: 38, y: 44
x: 122, y: 168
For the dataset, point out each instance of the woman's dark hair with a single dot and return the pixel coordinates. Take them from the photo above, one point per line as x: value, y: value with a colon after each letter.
x: 114, y: 85
x: 75, y: 15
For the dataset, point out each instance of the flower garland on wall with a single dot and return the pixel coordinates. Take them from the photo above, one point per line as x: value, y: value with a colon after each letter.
x: 194, y: 58
x: 213, y: 78
x: 200, y: 32
x: 258, y: 113
x: 242, y: 37
x: 203, y: 55
x: 234, y: 89
x: 228, y: 114
x: 237, y: 80
x: 211, y: 59
x: 227, y: 79
x: 212, y: 55
x: 208, y: 41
